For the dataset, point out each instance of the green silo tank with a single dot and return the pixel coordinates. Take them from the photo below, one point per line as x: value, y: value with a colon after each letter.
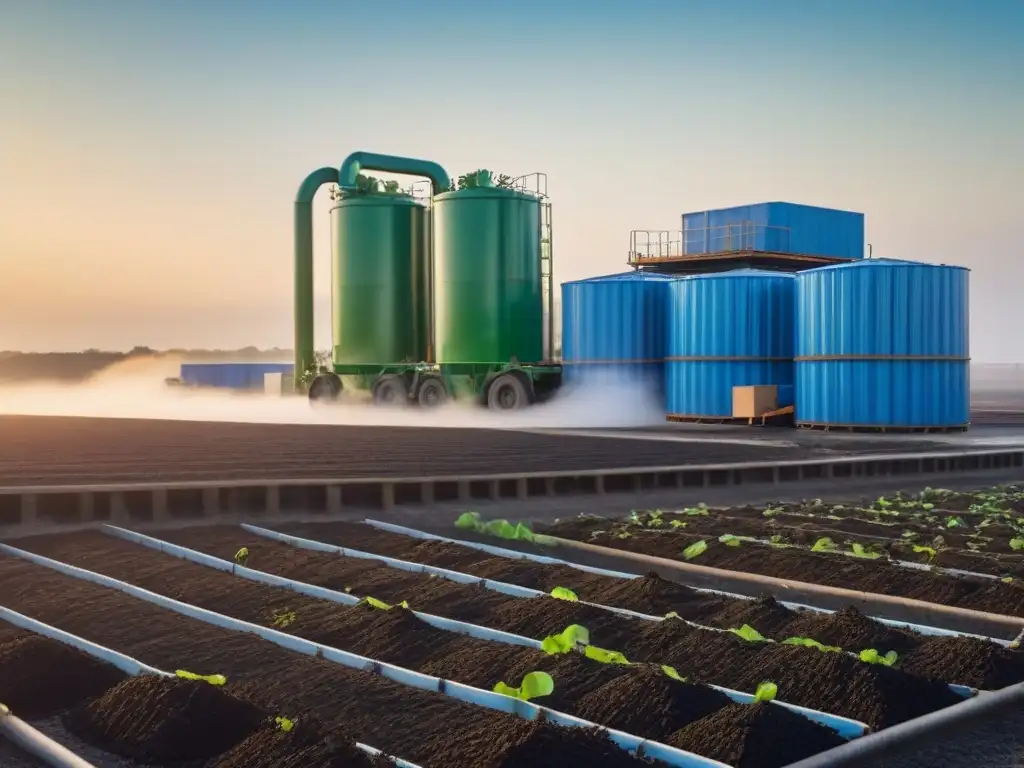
x: 487, y: 278
x: 379, y: 280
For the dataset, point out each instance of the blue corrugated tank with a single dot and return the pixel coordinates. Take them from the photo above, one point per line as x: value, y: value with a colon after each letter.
x: 230, y: 375
x: 613, y: 329
x: 883, y: 343
x: 778, y: 227
x: 728, y: 329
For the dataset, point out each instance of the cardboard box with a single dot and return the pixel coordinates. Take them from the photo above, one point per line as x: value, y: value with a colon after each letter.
x: 751, y: 402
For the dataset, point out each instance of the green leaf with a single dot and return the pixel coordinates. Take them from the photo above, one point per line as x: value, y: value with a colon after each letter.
x: 749, y: 634
x: 955, y: 522
x: 468, y: 521
x: 211, y: 679
x: 534, y: 686
x: 604, y: 656
x: 729, y: 540
x: 678, y: 523
x: 671, y: 672
x: 1007, y: 579
x: 766, y: 691
x: 859, y: 550
x: 380, y: 605
x: 871, y: 656
x: 810, y: 643
x: 695, y: 550
x: 284, y: 724
x: 1017, y: 544
x: 566, y: 640
x: 700, y: 509
x: 824, y: 544
x: 564, y: 593
x: 923, y: 550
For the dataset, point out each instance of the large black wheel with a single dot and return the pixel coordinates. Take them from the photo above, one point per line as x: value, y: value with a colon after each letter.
x: 432, y: 393
x: 508, y: 392
x: 325, y: 388
x: 390, y: 390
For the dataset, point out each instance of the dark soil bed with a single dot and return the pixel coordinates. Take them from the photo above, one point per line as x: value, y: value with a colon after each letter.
x: 308, y: 744
x: 873, y: 576
x: 421, y: 727
x: 540, y: 617
x: 398, y: 637
x: 40, y: 677
x: 165, y: 720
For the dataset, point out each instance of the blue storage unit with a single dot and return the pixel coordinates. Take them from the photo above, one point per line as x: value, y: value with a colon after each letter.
x: 613, y: 329
x: 240, y: 376
x: 775, y: 227
x: 727, y: 329
x: 883, y: 344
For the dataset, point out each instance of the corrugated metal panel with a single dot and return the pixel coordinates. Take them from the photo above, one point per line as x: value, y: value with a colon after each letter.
x: 726, y: 330
x: 888, y: 342
x: 613, y: 329
x: 230, y: 375
x: 780, y: 227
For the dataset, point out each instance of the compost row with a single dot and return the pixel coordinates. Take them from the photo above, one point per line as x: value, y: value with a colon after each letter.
x: 881, y: 696
x: 966, y: 661
x: 422, y: 727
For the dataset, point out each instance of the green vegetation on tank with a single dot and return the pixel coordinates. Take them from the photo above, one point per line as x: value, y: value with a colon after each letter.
x: 379, y: 276
x: 487, y: 280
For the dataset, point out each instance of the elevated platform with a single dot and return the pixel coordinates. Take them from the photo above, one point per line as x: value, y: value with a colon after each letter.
x: 683, y: 264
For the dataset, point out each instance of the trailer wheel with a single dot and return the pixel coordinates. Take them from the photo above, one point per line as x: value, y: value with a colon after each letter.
x: 390, y: 390
x: 432, y: 393
x: 508, y: 392
x: 326, y: 387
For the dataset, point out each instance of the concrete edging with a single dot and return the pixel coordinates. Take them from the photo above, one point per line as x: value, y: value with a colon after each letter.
x: 30, y: 506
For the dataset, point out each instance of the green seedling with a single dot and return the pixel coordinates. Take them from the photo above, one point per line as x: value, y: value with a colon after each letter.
x: 673, y: 615
x: 380, y: 605
x: 534, y: 686
x: 766, y: 691
x: 624, y: 535
x: 810, y: 643
x: 695, y: 550
x: 1007, y: 579
x: 923, y: 550
x: 284, y: 724
x: 564, y: 593
x: 671, y: 672
x: 773, y: 511
x: 955, y: 522
x: 678, y: 523
x: 749, y: 634
x: 871, y: 656
x: 567, y: 640
x: 700, y: 510
x: 468, y: 521
x: 242, y: 555
x: 283, y: 618
x: 605, y: 656
x: 910, y: 535
x: 859, y: 550
x: 824, y: 544
x: 778, y: 540
x: 211, y: 679
x: 1017, y: 544
x: 733, y: 541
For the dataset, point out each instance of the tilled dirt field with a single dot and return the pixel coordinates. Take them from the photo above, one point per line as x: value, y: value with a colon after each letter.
x: 38, y: 450
x: 955, y: 660
x: 423, y: 727
x: 874, y: 694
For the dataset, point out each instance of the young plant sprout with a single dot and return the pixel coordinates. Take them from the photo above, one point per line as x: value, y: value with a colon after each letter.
x: 283, y: 618
x: 567, y: 640
x: 749, y: 634
x: 380, y: 605
x: 871, y: 656
x: 695, y: 550
x: 859, y: 550
x: 242, y: 555
x: 671, y: 672
x: 824, y: 544
x: 211, y: 679
x: 604, y: 656
x: 1017, y: 544
x: 284, y: 724
x: 564, y: 593
x: 733, y: 541
x: 766, y: 691
x: 810, y: 643
x: 678, y: 523
x: 534, y: 685
x: 701, y: 510
x: 923, y: 550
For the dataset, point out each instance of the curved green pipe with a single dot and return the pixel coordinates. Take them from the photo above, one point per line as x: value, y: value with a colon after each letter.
x: 369, y: 161
x: 304, y: 351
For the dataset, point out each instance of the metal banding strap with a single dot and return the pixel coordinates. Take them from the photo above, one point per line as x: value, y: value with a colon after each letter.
x: 726, y: 359
x: 631, y: 361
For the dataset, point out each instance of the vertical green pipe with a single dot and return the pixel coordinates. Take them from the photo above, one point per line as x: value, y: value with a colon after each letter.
x: 303, y: 344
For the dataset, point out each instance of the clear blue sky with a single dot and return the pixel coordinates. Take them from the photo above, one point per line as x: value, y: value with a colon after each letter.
x: 150, y: 150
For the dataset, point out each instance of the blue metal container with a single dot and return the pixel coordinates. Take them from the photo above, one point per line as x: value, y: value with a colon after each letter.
x: 239, y: 376
x: 613, y: 329
x: 775, y: 227
x: 883, y: 344
x: 727, y: 329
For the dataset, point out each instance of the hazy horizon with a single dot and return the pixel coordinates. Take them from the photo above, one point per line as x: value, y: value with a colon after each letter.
x: 152, y: 151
